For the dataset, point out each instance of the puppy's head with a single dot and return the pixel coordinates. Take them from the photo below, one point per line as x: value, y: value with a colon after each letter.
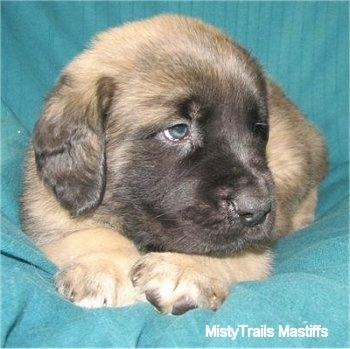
x: 162, y: 126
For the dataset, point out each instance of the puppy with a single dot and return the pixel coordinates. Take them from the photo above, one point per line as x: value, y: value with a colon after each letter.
x: 162, y: 167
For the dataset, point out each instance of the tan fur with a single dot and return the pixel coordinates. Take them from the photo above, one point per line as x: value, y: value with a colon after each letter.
x: 205, y: 279
x: 97, y: 265
x: 92, y: 261
x: 291, y: 166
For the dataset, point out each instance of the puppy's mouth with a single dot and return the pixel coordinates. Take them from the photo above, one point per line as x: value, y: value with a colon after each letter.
x: 224, y: 231
x: 203, y: 229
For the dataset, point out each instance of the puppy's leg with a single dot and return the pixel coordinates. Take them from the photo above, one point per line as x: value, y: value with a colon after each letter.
x: 94, y: 267
x: 175, y: 283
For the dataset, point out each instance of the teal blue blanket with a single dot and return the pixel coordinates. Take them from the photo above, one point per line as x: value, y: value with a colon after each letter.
x: 305, y: 303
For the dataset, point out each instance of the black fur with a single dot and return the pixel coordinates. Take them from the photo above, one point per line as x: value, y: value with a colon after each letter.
x: 178, y: 197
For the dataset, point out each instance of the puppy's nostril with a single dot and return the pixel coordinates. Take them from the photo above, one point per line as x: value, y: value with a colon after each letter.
x: 247, y: 217
x: 253, y: 218
x: 251, y: 214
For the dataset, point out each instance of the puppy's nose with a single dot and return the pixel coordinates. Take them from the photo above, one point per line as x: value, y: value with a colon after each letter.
x: 251, y: 209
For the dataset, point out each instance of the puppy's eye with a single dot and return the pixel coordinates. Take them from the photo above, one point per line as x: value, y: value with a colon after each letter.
x: 261, y: 128
x: 177, y: 133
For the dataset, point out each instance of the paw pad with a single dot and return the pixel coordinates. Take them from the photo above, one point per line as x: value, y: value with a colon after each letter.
x: 183, y: 304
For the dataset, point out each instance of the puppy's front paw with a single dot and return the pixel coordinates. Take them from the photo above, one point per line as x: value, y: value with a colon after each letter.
x: 95, y: 281
x: 175, y: 283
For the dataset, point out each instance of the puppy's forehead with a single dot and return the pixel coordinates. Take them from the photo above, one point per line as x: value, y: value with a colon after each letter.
x: 165, y: 60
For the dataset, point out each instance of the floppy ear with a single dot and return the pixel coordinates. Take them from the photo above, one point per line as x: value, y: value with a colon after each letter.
x: 69, y: 142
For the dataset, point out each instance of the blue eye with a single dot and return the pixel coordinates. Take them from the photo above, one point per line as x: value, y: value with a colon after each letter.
x: 261, y: 129
x: 177, y: 132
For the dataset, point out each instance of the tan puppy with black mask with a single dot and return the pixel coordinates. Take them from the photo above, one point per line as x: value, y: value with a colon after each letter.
x: 163, y: 165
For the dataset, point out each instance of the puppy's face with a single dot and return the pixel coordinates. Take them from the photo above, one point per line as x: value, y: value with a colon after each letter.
x: 175, y: 147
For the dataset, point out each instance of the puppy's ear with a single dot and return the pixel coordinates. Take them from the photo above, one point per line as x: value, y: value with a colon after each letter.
x: 69, y: 142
